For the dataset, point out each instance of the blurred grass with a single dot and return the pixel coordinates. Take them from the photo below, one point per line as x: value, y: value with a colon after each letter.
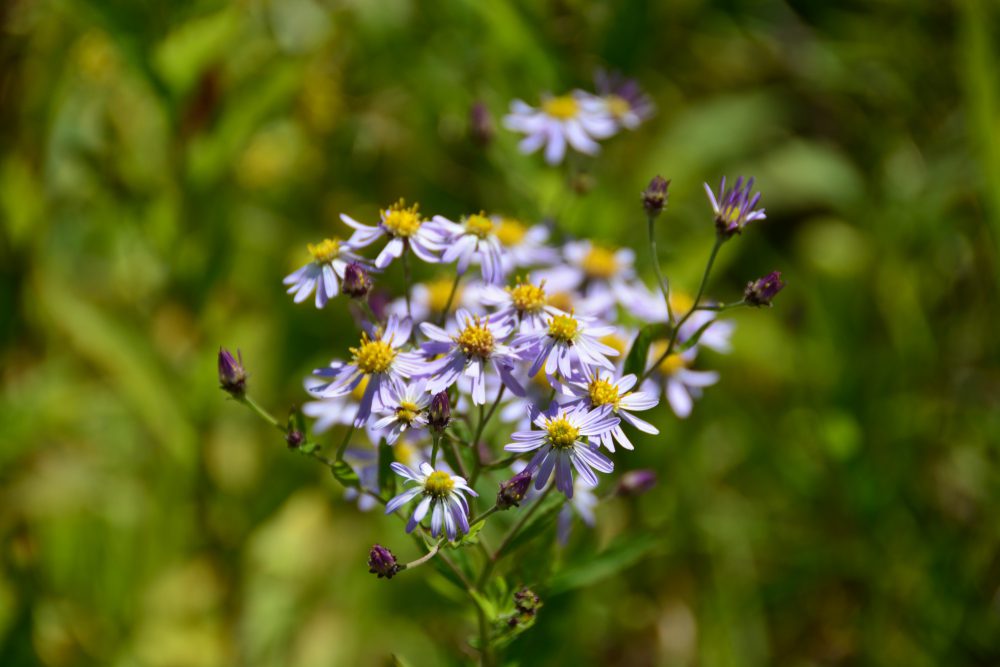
x: 163, y: 163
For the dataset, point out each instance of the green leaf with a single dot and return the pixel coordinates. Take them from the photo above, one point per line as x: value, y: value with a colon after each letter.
x: 484, y: 604
x: 618, y: 556
x: 386, y: 478
x: 539, y: 523
x: 472, y: 537
x: 635, y: 362
x: 344, y: 474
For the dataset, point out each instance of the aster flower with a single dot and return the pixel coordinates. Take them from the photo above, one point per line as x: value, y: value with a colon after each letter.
x: 601, y: 274
x: 568, y: 344
x: 335, y: 411
x: 473, y: 238
x: 734, y: 207
x: 601, y: 389
x: 378, y: 358
x: 323, y: 274
x: 405, y: 409
x: 683, y: 385
x: 364, y: 462
x: 560, y: 444
x: 525, y: 304
x: 524, y: 246
x: 577, y: 119
x: 405, y: 228
x: 472, y: 345
x: 762, y: 291
x: 441, y: 494
x: 623, y: 99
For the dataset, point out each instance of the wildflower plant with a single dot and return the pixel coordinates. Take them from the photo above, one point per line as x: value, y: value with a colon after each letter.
x: 490, y: 424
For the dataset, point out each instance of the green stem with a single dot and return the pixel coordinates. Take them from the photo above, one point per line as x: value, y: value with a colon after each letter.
x: 482, y: 516
x: 435, y: 446
x: 485, y: 650
x: 458, y: 458
x: 491, y: 563
x: 261, y: 412
x: 451, y: 297
x: 346, y: 441
x: 367, y: 308
x: 426, y: 557
x: 660, y: 279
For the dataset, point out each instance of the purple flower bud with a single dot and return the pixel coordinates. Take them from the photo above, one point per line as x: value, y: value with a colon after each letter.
x: 481, y: 125
x: 654, y: 197
x: 381, y: 562
x: 734, y: 208
x: 294, y: 439
x: 439, y: 413
x: 760, y: 292
x: 512, y: 491
x: 232, y: 375
x: 636, y: 482
x: 357, y: 283
x: 527, y: 602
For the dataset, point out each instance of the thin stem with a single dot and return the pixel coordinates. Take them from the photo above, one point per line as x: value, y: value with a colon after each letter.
x: 663, y: 282
x: 502, y: 463
x: 426, y: 557
x: 367, y: 308
x: 482, y: 425
x: 491, y: 563
x: 261, y: 412
x: 451, y: 297
x: 458, y: 458
x: 346, y: 441
x: 435, y: 446
x: 718, y: 308
x: 483, y: 516
x: 406, y: 280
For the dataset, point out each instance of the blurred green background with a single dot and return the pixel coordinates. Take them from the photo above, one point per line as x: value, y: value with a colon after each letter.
x: 163, y: 163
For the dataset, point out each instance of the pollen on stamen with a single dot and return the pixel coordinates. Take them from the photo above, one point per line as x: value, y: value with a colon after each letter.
x: 402, y: 221
x: 563, y: 107
x: 600, y: 263
x: 563, y: 328
x: 476, y: 339
x: 407, y: 411
x: 561, y: 433
x: 325, y: 251
x: 439, y: 484
x: 603, y: 392
x: 528, y: 298
x: 373, y: 356
x: 479, y: 224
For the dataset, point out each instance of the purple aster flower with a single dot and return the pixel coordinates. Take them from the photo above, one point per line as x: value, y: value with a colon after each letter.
x: 441, y: 494
x: 473, y: 345
x: 682, y: 384
x: 405, y: 409
x: 524, y: 304
x: 324, y: 273
x: 576, y: 119
x: 523, y: 245
x: 734, y: 208
x: 560, y: 444
x: 474, y: 238
x: 569, y: 344
x: 405, y: 228
x: 601, y: 389
x: 599, y: 274
x: 761, y: 291
x: 623, y: 99
x: 378, y: 358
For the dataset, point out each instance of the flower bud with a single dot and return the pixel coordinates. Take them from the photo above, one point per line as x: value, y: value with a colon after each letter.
x: 481, y: 126
x: 294, y: 438
x: 357, y: 283
x: 527, y: 602
x: 636, y: 482
x: 512, y: 491
x: 381, y: 562
x: 439, y: 413
x: 232, y: 375
x: 760, y: 292
x: 654, y: 197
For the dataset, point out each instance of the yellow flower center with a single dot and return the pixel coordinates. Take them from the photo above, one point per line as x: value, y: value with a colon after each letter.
x: 561, y: 300
x: 671, y: 364
x: 603, y: 392
x: 476, y: 339
x: 479, y: 225
x: 680, y: 302
x: 359, y: 391
x: 617, y: 106
x: 527, y: 298
x: 325, y: 251
x: 407, y: 411
x: 563, y: 328
x: 439, y: 483
x: 510, y: 231
x: 402, y: 221
x: 373, y: 356
x: 438, y: 292
x: 561, y: 433
x: 616, y: 342
x: 600, y: 263
x: 404, y: 453
x: 563, y: 107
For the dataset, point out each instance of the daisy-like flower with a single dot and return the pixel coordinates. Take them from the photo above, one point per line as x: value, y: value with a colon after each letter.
x: 330, y: 412
x: 405, y: 409
x: 577, y: 119
x: 473, y: 238
x: 323, y: 274
x: 364, y: 461
x: 601, y: 389
x: 524, y: 246
x: 474, y: 344
x: 734, y: 208
x: 561, y: 447
x: 683, y: 385
x: 441, y: 494
x: 405, y: 228
x: 624, y: 100
x: 600, y: 273
x: 379, y: 359
x: 525, y: 304
x: 568, y: 343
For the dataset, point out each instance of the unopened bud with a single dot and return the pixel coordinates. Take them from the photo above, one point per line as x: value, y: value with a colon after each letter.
x: 636, y: 482
x: 439, y: 413
x: 527, y: 602
x: 294, y: 438
x: 481, y: 126
x: 381, y: 562
x: 232, y: 375
x: 654, y: 197
x: 761, y: 291
x: 512, y: 491
x: 357, y: 283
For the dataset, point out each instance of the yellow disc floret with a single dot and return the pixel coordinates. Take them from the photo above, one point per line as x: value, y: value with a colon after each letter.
x: 527, y: 298
x: 603, y: 392
x: 402, y: 221
x: 476, y: 340
x: 561, y: 433
x: 479, y: 225
x: 600, y: 263
x: 325, y: 251
x: 563, y: 328
x: 510, y: 231
x: 373, y: 356
x: 439, y: 483
x: 617, y: 106
x: 407, y: 411
x: 563, y: 107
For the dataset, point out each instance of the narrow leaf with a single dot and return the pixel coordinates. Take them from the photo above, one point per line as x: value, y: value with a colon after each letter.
x: 635, y: 362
